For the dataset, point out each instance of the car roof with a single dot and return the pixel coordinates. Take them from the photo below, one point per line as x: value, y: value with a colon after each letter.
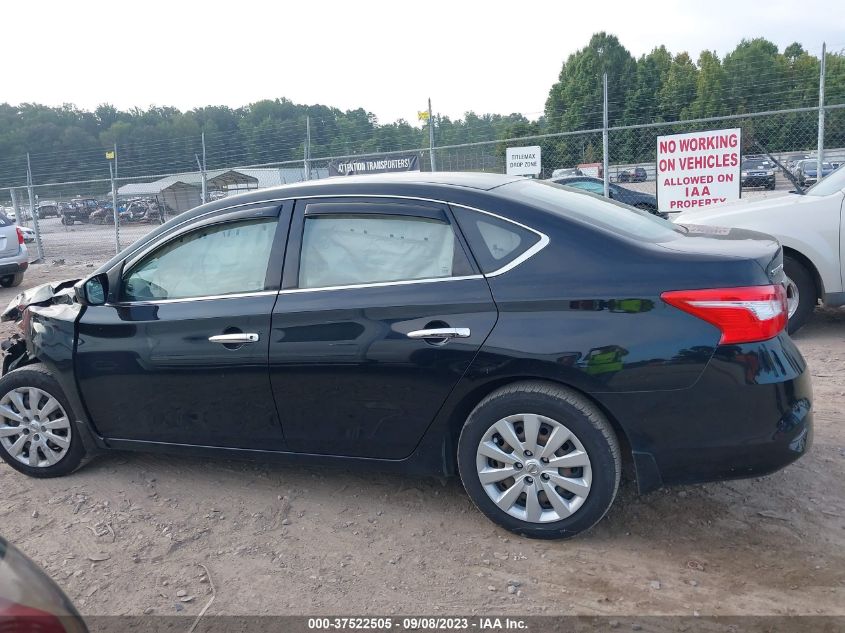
x: 397, y: 184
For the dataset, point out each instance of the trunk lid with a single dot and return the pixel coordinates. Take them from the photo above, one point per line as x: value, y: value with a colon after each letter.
x: 741, y: 244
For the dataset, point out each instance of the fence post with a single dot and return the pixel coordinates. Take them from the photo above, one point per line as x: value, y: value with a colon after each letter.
x: 431, y: 137
x: 820, y: 158
x: 114, y: 209
x: 307, y: 152
x: 604, y: 140
x: 39, y: 247
x: 14, y: 196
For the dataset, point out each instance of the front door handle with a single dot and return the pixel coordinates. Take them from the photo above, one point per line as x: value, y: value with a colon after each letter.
x: 236, y: 338
x: 441, y: 332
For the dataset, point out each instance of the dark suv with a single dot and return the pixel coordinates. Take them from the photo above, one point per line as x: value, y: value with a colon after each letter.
x: 78, y: 210
x: 525, y: 336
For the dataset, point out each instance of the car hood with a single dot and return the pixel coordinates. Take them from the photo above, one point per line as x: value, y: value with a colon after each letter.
x: 55, y: 292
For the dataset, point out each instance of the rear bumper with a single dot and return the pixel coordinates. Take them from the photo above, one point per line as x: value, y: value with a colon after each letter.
x: 749, y: 414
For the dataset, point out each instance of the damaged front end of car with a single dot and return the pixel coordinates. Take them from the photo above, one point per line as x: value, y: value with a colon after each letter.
x: 43, y: 299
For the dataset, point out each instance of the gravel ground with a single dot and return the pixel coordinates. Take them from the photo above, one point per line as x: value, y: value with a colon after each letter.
x: 134, y: 533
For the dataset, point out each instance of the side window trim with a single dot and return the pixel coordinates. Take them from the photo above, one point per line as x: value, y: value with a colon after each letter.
x: 361, y: 205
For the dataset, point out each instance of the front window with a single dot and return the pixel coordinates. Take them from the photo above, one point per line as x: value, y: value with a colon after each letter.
x: 220, y: 259
x: 343, y: 250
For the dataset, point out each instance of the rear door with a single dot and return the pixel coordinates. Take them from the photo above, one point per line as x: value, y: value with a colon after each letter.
x: 381, y: 312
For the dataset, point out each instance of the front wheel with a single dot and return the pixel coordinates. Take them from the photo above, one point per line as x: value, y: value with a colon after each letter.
x: 801, y: 293
x: 539, y: 460
x: 38, y: 436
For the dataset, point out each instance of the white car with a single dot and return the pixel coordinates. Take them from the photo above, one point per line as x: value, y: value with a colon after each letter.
x: 811, y: 230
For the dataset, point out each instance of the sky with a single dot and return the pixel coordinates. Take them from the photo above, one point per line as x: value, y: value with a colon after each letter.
x: 385, y: 56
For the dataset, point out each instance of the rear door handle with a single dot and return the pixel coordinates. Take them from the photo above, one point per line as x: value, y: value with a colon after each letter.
x: 236, y: 338
x: 441, y: 332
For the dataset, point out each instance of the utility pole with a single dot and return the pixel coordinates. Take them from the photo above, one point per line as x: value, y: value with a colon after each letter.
x: 114, y: 209
x: 307, y: 152
x: 203, y: 172
x: 32, y: 211
x: 115, y: 160
x: 604, y: 142
x: 431, y: 136
x: 820, y: 158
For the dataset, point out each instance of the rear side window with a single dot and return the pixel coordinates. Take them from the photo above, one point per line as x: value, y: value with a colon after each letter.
x: 4, y: 221
x: 346, y: 250
x: 494, y: 242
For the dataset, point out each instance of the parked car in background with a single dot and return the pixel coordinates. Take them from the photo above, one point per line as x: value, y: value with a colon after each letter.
x: 566, y: 172
x: 28, y: 234
x: 511, y: 330
x: 48, y: 210
x: 638, y: 174
x: 792, y: 160
x: 757, y: 173
x: 78, y: 210
x: 806, y: 171
x: 14, y: 258
x: 638, y: 199
x: 810, y: 228
x: 30, y: 602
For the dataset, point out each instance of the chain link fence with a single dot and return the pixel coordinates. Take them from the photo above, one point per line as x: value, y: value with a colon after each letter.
x: 75, y: 221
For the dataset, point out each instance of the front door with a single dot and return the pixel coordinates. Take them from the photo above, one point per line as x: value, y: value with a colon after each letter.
x: 180, y: 354
x: 382, y: 311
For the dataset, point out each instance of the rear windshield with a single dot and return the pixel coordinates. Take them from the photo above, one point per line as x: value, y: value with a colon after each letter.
x: 592, y: 209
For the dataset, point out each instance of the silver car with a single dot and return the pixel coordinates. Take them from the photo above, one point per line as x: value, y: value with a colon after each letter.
x: 14, y: 258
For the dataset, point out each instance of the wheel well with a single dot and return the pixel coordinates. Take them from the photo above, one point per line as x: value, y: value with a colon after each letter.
x: 817, y: 280
x: 464, y: 408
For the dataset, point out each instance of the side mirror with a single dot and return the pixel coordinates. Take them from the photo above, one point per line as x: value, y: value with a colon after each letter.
x: 93, y: 291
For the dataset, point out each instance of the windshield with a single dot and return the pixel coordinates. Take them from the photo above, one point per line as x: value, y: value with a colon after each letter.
x: 755, y: 165
x: 833, y: 183
x: 592, y: 209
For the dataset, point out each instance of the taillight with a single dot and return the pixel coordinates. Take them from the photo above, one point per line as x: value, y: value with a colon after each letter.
x: 744, y: 315
x: 20, y: 234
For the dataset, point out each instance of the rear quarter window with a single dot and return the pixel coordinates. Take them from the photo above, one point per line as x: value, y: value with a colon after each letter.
x: 495, y: 242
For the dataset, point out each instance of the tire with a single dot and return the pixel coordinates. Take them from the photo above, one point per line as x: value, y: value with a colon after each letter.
x: 562, y: 407
x: 802, y: 281
x: 69, y: 457
x: 10, y: 281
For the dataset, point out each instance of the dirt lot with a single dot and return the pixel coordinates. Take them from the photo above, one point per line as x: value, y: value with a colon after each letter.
x: 128, y: 534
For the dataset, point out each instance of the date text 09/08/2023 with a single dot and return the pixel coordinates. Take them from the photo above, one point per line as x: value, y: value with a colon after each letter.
x: 418, y: 623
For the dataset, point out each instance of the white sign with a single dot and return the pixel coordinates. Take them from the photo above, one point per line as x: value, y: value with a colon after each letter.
x: 523, y: 161
x: 698, y: 170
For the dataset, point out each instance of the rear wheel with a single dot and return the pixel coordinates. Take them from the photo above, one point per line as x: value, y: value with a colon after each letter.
x: 539, y: 460
x: 801, y: 293
x: 37, y: 431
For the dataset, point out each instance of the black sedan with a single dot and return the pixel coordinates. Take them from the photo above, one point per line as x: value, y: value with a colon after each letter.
x: 638, y: 199
x: 528, y: 337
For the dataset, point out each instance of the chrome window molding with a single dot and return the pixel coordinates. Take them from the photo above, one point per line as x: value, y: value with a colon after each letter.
x: 234, y: 295
x: 381, y: 284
